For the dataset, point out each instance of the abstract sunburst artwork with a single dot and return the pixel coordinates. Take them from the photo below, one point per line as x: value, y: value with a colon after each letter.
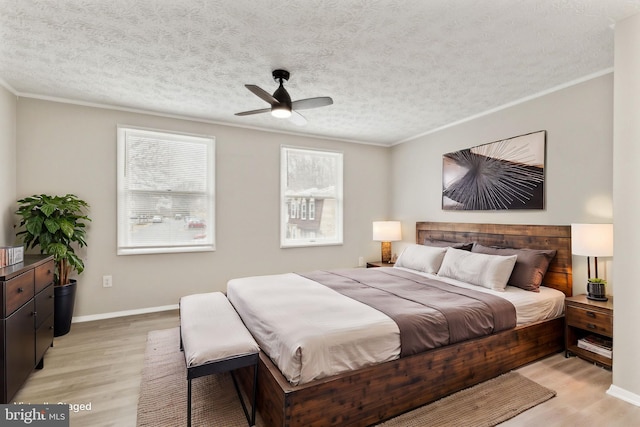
x: 506, y: 174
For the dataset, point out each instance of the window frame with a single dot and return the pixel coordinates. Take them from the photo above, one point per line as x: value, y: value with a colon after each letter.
x: 295, y: 210
x: 123, y: 245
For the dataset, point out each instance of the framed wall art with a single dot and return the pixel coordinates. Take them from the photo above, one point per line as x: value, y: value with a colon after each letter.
x: 500, y: 175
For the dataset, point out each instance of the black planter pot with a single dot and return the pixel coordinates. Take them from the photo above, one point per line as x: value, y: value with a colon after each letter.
x: 65, y: 297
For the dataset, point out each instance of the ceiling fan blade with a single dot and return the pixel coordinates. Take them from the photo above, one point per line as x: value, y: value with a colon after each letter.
x: 303, y: 104
x: 262, y: 94
x: 248, y: 113
x: 297, y: 118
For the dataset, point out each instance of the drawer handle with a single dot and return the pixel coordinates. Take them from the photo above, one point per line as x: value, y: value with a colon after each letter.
x: 20, y: 290
x: 591, y: 314
x: 591, y: 326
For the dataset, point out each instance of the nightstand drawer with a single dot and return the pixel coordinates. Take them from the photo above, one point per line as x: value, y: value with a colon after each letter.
x: 590, y: 320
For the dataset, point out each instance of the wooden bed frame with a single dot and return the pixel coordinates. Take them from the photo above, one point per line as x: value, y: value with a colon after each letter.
x: 371, y: 395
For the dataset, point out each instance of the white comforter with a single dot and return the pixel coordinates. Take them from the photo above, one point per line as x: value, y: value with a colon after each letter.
x: 288, y: 316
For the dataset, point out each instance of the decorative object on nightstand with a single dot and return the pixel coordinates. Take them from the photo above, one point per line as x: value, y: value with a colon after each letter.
x: 593, y: 240
x: 386, y: 232
x: 589, y: 329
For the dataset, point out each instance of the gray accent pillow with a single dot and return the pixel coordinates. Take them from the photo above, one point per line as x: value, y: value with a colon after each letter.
x: 531, y: 264
x: 446, y: 244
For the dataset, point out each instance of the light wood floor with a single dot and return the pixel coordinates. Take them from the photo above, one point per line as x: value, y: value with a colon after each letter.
x: 100, y: 363
x: 97, y: 363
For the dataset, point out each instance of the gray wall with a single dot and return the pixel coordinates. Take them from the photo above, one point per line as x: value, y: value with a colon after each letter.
x: 626, y: 176
x: 70, y: 148
x: 578, y: 169
x: 7, y: 165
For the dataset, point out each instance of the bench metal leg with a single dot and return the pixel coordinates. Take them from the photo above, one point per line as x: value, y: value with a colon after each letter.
x: 251, y: 420
x: 255, y: 394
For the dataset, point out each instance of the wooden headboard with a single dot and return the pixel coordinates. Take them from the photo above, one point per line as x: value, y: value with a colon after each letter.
x: 558, y: 237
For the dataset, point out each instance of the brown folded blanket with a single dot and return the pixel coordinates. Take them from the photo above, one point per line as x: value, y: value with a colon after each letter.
x: 429, y: 313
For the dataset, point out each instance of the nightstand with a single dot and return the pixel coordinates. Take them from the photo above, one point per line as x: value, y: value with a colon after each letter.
x: 374, y: 264
x: 583, y: 318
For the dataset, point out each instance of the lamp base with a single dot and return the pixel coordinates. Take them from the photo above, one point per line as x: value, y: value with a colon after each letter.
x: 386, y: 251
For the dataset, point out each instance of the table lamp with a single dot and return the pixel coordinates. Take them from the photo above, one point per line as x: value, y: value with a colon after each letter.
x: 386, y: 232
x: 593, y: 240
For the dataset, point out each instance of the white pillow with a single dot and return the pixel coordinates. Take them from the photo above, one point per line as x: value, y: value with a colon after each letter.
x: 421, y: 258
x: 489, y: 271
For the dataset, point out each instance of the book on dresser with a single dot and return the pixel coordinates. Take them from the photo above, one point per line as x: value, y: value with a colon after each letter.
x: 10, y: 255
x: 596, y: 344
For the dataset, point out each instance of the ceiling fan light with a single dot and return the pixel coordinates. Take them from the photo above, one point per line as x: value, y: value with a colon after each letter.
x: 281, y: 111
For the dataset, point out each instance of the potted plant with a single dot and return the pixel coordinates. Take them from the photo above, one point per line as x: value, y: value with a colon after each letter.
x: 56, y: 224
x: 596, y: 289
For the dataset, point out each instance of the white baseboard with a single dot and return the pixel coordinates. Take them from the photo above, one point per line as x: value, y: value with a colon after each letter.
x: 78, y: 319
x: 623, y: 394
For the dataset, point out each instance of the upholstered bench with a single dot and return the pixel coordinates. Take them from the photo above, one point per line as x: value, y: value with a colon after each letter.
x: 215, y: 340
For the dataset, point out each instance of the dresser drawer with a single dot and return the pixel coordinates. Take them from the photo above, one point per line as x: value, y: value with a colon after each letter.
x: 20, y: 350
x: 17, y: 291
x: 590, y: 320
x: 44, y: 275
x: 44, y: 305
x: 44, y: 337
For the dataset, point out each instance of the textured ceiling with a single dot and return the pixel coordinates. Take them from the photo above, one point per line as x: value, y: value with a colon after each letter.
x: 394, y: 68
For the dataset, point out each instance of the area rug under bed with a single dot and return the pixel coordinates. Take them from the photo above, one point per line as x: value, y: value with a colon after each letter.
x: 163, y: 396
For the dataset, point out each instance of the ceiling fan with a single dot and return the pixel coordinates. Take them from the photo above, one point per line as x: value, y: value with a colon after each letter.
x: 281, y: 104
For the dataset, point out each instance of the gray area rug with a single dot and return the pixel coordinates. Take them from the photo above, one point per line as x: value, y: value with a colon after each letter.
x: 163, y: 396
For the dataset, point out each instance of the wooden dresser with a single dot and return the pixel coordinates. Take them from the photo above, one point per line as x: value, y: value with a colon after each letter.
x: 26, y: 302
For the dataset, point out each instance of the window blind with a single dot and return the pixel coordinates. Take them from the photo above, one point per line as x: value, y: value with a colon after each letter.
x: 165, y: 192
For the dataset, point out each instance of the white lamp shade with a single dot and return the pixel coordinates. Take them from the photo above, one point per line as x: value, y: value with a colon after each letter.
x: 387, y: 231
x: 592, y: 239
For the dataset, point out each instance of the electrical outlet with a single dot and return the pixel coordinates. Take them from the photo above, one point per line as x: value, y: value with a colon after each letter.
x: 107, y: 281
x: 360, y: 261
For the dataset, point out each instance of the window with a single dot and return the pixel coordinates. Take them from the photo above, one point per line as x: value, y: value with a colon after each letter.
x: 312, y: 209
x: 165, y: 192
x: 311, y: 197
